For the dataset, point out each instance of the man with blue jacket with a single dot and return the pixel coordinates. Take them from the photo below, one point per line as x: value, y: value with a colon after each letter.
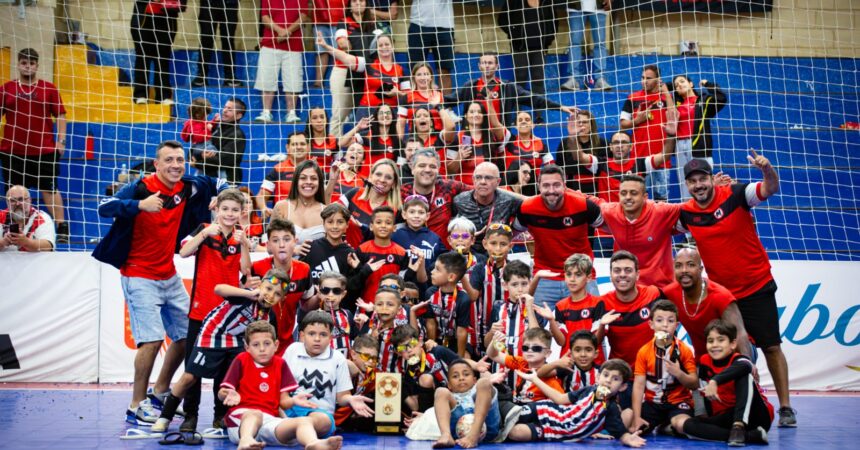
x: 151, y: 216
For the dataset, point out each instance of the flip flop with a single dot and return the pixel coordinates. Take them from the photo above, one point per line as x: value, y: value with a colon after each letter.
x: 193, y: 438
x: 215, y: 433
x: 172, y: 438
x: 136, y: 433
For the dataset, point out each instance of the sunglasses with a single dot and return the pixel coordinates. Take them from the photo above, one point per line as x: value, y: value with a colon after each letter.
x: 460, y: 235
x: 275, y: 281
x: 533, y: 348
x: 403, y: 347
x: 500, y: 226
x: 418, y: 197
x: 411, y: 299
x: 367, y: 357
x: 330, y: 290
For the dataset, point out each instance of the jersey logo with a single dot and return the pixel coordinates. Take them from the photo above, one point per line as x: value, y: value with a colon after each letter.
x: 683, y: 406
x: 293, y: 286
x: 718, y: 213
x: 567, y: 221
x: 644, y: 313
x: 264, y: 387
x: 231, y: 249
x: 585, y: 313
x: 313, y: 383
x: 439, y: 202
x: 177, y: 199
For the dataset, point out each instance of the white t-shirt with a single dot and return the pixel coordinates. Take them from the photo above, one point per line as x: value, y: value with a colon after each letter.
x: 44, y: 230
x: 432, y: 13
x: 322, y: 376
x: 589, y: 6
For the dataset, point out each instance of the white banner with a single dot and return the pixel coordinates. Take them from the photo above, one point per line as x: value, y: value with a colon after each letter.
x: 65, y: 316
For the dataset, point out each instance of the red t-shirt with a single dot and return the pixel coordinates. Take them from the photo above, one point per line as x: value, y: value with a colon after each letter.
x: 395, y: 258
x: 283, y: 13
x: 686, y: 117
x: 375, y: 76
x: 647, y: 136
x: 218, y: 260
x: 279, y: 180
x: 300, y: 288
x: 361, y: 210
x: 532, y: 151
x: 195, y: 131
x: 727, y: 239
x: 415, y: 99
x: 709, y: 368
x: 495, y: 93
x: 29, y: 110
x: 575, y: 316
x: 259, y: 387
x: 441, y: 204
x: 153, y: 240
x: 329, y: 12
x: 631, y: 331
x: 324, y: 152
x: 695, y: 318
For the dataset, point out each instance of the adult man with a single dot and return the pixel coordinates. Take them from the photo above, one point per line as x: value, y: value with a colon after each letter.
x: 486, y: 203
x: 645, y: 112
x: 229, y: 138
x: 276, y: 186
x: 720, y: 221
x: 150, y: 217
x: 440, y: 192
x: 578, y: 13
x: 29, y: 155
x: 558, y: 219
x: 24, y: 227
x: 214, y: 16
x: 431, y: 29
x: 506, y: 97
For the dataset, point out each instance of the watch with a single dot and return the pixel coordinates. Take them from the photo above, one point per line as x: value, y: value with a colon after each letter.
x: 62, y: 141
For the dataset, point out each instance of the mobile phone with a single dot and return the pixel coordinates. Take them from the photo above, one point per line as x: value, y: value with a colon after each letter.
x: 466, y: 140
x: 14, y: 228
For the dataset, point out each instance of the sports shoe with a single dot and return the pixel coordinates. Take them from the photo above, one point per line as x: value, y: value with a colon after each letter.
x: 140, y: 101
x: 144, y: 414
x: 63, y: 233
x: 161, y: 425
x: 189, y: 424
x: 602, y: 85
x: 510, y: 420
x: 737, y: 437
x: 198, y: 82
x: 218, y: 423
x: 264, y: 117
x: 757, y: 436
x: 787, y: 417
x: 157, y: 401
x: 571, y: 85
x: 167, y: 102
x: 292, y: 117
x: 233, y: 83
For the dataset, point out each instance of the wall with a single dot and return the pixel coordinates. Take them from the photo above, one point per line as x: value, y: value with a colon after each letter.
x: 35, y: 30
x: 795, y: 28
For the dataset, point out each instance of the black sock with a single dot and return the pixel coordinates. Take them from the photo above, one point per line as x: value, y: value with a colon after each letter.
x: 170, y: 404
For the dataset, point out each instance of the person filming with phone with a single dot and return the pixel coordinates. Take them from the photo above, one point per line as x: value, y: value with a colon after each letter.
x: 25, y: 228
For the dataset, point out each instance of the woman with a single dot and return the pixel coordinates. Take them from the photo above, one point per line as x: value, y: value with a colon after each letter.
x: 304, y: 204
x: 422, y: 129
x: 382, y: 78
x: 383, y: 188
x: 527, y: 146
x: 694, y: 121
x: 483, y: 138
x: 323, y: 145
x: 422, y: 93
x: 578, y: 177
x: 251, y: 221
x: 520, y: 179
x: 348, y: 173
x: 377, y: 134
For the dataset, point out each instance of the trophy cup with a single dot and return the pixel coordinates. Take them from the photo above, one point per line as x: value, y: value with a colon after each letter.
x: 387, y: 403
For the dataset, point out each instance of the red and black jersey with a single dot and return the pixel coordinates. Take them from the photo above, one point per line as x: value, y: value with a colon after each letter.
x: 721, y: 372
x: 378, y: 79
x: 224, y: 326
x: 324, y: 151
x: 279, y: 180
x: 414, y: 99
x: 342, y: 185
x: 361, y: 211
x: 648, y: 136
x: 561, y: 233
x: 218, y: 260
x: 727, y: 239
x: 342, y: 330
x: 631, y: 331
x: 483, y: 148
x: 696, y: 317
x: 573, y: 316
x: 300, y: 288
x: 531, y: 151
x: 494, y: 94
x: 435, y: 362
x: 441, y: 204
x: 259, y: 387
x: 396, y: 260
x: 378, y: 148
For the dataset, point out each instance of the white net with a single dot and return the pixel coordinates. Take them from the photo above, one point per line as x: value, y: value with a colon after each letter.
x: 788, y: 71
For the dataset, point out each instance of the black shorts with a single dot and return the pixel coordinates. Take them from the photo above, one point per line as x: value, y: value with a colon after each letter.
x: 32, y: 171
x: 207, y: 362
x: 438, y: 40
x: 760, y: 316
x: 658, y: 414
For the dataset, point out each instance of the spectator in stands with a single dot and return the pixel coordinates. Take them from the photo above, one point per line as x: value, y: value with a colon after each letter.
x: 530, y: 25
x: 324, y: 146
x: 593, y: 12
x: 28, y: 152
x: 278, y: 181
x: 355, y: 35
x: 486, y: 203
x: 251, y: 221
x: 520, y: 178
x: 304, y: 205
x: 527, y: 146
x: 281, y: 50
x: 348, y: 173
x: 382, y: 189
x: 220, y: 16
x: 22, y: 226
x: 151, y: 216
x: 384, y: 11
x: 378, y: 135
x: 197, y: 130
x: 482, y: 138
x: 645, y: 113
x: 590, y: 142
x: 422, y: 129
x: 438, y: 190
x: 695, y: 112
x: 153, y: 29
x: 229, y: 140
x: 421, y: 93
x: 327, y: 14
x: 506, y: 96
x: 431, y: 29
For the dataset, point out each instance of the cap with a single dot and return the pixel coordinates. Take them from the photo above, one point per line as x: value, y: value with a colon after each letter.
x: 697, y: 165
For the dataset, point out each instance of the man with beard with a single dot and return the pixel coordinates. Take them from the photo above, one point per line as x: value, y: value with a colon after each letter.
x: 440, y: 192
x: 486, y: 203
x: 24, y: 227
x: 229, y: 138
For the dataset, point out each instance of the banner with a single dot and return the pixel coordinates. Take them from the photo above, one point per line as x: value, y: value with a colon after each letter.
x: 703, y: 6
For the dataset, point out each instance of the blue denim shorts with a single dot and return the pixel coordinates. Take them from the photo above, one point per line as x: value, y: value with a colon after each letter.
x: 493, y: 421
x: 156, y: 308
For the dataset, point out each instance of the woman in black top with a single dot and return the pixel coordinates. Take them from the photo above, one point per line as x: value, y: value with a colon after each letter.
x: 576, y: 174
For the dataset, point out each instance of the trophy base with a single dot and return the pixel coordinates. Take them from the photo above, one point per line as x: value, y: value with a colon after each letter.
x: 392, y: 428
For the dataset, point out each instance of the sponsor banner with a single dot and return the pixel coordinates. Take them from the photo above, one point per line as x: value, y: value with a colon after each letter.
x: 704, y: 6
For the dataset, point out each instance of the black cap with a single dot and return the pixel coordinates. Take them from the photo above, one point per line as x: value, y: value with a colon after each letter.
x: 28, y: 54
x: 697, y: 165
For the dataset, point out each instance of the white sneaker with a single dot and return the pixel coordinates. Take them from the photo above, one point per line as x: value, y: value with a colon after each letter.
x: 292, y: 117
x: 167, y: 102
x: 140, y: 101
x: 572, y: 85
x: 160, y: 425
x: 602, y: 85
x: 264, y: 117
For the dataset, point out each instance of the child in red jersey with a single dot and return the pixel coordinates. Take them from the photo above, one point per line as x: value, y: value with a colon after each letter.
x: 536, y: 349
x: 221, y: 251
x: 257, y: 385
x: 363, y: 358
x: 220, y: 338
x: 664, y: 373
x: 197, y: 130
x: 577, y: 311
x: 738, y: 411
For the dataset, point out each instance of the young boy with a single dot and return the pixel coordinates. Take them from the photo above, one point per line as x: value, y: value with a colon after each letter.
x: 536, y: 348
x: 423, y: 371
x: 577, y: 414
x: 220, y: 338
x: 386, y: 306
x: 447, y: 310
x: 332, y: 291
x: 253, y: 420
x: 363, y: 357
x: 738, y: 411
x: 301, y: 291
x: 324, y: 374
x: 330, y: 252
x: 498, y: 241
x: 466, y: 396
x: 578, y: 369
x: 576, y: 312
x: 461, y: 238
x: 514, y: 316
x: 664, y: 373
x: 415, y: 211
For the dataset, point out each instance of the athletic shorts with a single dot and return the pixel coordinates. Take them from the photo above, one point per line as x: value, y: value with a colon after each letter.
x: 298, y: 411
x: 31, y: 171
x: 266, y: 433
x: 760, y: 316
x: 208, y: 362
x: 438, y: 40
x: 288, y: 64
x: 657, y: 414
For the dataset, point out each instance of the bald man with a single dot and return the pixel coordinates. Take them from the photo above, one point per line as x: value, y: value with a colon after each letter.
x: 25, y: 228
x: 486, y: 203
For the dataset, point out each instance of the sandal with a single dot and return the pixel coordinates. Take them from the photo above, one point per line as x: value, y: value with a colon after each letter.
x: 193, y: 438
x: 172, y: 438
x: 137, y: 433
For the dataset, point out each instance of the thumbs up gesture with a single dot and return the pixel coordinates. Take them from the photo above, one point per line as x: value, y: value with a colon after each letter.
x: 153, y: 203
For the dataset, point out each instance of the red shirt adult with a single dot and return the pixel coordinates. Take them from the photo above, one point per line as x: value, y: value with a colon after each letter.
x: 649, y: 237
x: 631, y: 331
x: 329, y: 12
x: 254, y: 383
x: 300, y: 288
x: 696, y: 317
x: 561, y: 233
x: 494, y: 91
x: 217, y: 261
x: 647, y: 136
x: 279, y: 180
x: 153, y: 241
x: 727, y: 239
x: 29, y: 110
x: 376, y: 75
x: 441, y: 204
x: 531, y: 151
x: 283, y: 13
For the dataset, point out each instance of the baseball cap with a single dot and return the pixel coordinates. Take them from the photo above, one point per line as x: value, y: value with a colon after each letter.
x: 697, y: 165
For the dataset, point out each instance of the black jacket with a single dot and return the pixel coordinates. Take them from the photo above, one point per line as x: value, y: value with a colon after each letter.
x: 230, y: 141
x: 528, y: 28
x: 708, y: 104
x: 511, y: 95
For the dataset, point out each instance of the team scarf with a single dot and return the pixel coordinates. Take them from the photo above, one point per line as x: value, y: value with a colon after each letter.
x: 444, y: 306
x: 514, y: 320
x: 365, y: 382
x: 582, y: 378
x: 340, y: 331
x: 493, y: 292
x: 387, y: 354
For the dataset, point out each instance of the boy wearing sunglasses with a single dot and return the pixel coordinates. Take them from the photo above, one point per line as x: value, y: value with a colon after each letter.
x: 362, y: 361
x: 536, y: 349
x: 423, y: 370
x: 332, y: 291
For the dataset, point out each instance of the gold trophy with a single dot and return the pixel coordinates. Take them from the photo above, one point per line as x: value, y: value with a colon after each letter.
x: 387, y: 403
